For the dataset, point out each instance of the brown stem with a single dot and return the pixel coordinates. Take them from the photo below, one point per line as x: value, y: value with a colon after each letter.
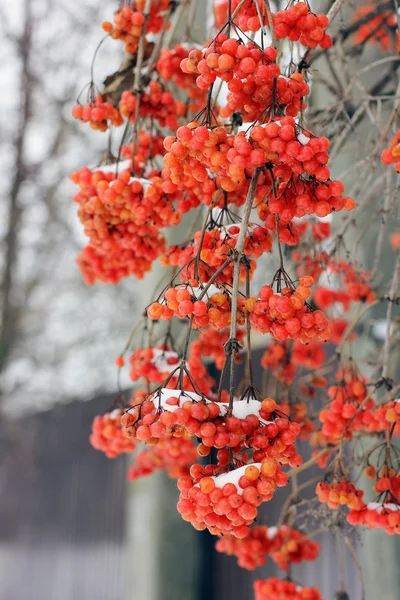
x: 239, y: 255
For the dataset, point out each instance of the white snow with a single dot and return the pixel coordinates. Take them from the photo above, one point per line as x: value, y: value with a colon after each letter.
x: 233, y: 476
x: 272, y: 532
x: 303, y: 139
x: 160, y: 360
x: 226, y: 232
x: 122, y: 165
x: 115, y: 414
x: 379, y: 329
x: 196, y: 292
x: 379, y: 507
x: 243, y: 408
x: 160, y: 399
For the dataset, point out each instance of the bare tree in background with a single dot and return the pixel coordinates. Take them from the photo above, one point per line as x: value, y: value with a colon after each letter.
x: 45, y: 329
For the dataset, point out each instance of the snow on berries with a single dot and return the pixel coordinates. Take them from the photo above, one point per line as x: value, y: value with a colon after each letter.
x: 122, y: 216
x: 227, y: 503
x: 153, y: 364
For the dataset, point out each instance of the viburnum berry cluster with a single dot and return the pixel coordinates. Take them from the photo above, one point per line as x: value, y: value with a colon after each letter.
x: 284, y: 545
x: 391, y: 155
x: 109, y: 436
x: 99, y: 113
x: 220, y: 132
x: 275, y: 589
x: 227, y: 503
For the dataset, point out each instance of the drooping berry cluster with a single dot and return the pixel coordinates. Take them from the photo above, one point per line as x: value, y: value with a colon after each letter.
x: 98, y: 113
x: 391, y: 155
x: 210, y: 344
x: 121, y: 216
x: 378, y: 515
x: 169, y: 68
x: 211, y: 249
x: 286, y: 315
x: 350, y: 408
x: 277, y: 589
x: 153, y: 364
x: 342, y: 493
x: 208, y: 306
x: 298, y: 23
x: 156, y: 102
x: 129, y: 22
x: 284, y: 545
x: 109, y: 436
x: 170, y: 454
x: 227, y: 503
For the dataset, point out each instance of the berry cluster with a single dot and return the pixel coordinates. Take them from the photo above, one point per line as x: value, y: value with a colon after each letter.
x: 291, y: 546
x: 212, y: 249
x: 147, y: 148
x: 169, y: 68
x: 227, y: 503
x: 210, y: 305
x: 156, y: 102
x: 130, y: 20
x: 378, y: 515
x: 121, y: 216
x: 387, y: 415
x: 110, y: 267
x: 170, y: 454
x: 286, y: 315
x: 254, y: 95
x: 299, y: 24
x: 342, y: 493
x: 249, y: 18
x: 99, y: 114
x: 279, y: 589
x: 276, y: 357
x: 109, y: 436
x: 311, y: 356
x: 350, y: 408
x: 299, y: 197
x: 169, y: 413
x: 391, y: 155
x: 230, y: 60
x: 281, y: 143
x: 154, y: 364
x: 251, y: 551
x: 283, y: 545
x: 210, y: 344
x: 388, y: 483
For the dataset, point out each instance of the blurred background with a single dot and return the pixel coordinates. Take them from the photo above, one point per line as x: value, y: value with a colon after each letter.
x: 71, y: 527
